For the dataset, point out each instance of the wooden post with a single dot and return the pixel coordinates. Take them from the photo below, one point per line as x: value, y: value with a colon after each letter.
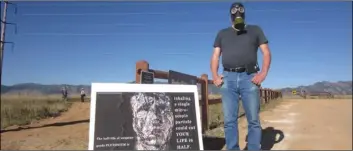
x: 140, y: 66
x: 261, y: 101
x: 268, y: 95
x: 204, y: 100
x: 263, y: 96
x: 266, y: 99
x: 272, y: 95
x: 278, y: 94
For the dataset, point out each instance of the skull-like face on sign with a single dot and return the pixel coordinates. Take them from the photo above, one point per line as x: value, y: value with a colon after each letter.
x: 152, y: 120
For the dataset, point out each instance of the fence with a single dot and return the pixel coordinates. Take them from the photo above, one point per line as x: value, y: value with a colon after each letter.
x: 266, y: 95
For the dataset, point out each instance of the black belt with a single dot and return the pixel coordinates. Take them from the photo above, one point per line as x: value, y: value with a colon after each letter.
x: 238, y: 69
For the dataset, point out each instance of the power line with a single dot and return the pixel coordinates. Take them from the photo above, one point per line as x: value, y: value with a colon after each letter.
x: 106, y: 14
x: 109, y: 4
x: 165, y: 23
x: 172, y: 13
x: 149, y: 34
x: 176, y: 12
x: 117, y: 34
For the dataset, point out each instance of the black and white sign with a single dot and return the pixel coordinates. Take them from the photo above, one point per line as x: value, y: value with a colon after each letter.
x: 144, y: 117
x: 147, y: 77
x: 181, y: 78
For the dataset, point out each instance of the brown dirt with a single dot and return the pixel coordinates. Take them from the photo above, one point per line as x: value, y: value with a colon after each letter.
x: 304, y: 125
x: 68, y: 131
x: 310, y: 124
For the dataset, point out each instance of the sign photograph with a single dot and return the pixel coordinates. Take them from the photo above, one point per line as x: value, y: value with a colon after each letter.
x: 144, y: 117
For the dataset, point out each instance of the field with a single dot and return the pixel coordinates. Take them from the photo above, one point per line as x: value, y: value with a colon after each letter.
x: 69, y: 131
x: 22, y: 110
x: 317, y: 97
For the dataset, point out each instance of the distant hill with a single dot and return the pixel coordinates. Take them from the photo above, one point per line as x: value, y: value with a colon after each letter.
x: 212, y: 89
x: 40, y: 89
x: 335, y: 88
x: 341, y: 87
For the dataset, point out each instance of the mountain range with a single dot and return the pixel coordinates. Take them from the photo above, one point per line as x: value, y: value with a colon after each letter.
x: 336, y: 88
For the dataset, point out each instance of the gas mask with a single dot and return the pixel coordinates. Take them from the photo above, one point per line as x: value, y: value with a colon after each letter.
x: 237, y: 13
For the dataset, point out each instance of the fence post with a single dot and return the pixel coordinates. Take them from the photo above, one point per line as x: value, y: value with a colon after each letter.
x: 204, y: 97
x: 266, y: 99
x: 271, y: 94
x: 277, y: 94
x: 261, y: 100
x: 140, y: 66
x: 264, y: 96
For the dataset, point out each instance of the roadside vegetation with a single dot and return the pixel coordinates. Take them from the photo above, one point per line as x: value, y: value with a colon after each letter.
x: 22, y: 110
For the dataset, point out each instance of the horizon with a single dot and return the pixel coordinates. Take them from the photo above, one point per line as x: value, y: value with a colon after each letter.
x: 79, y: 43
x: 166, y: 81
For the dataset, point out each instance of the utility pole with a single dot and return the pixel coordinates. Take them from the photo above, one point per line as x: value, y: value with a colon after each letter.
x: 2, y: 40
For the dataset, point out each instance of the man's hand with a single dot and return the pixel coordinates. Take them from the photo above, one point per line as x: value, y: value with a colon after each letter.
x: 218, y: 81
x: 259, y: 78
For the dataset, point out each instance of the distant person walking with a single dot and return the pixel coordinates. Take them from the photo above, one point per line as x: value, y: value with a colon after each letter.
x: 64, y: 93
x: 83, y: 94
x: 303, y: 94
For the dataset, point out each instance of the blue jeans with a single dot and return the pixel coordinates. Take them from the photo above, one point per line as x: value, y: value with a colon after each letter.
x: 236, y: 84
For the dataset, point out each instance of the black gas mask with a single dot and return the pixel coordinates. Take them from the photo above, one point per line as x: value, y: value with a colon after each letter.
x: 237, y: 14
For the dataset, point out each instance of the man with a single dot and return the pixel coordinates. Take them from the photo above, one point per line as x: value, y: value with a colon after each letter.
x: 153, y: 120
x: 303, y: 93
x: 83, y: 94
x: 64, y: 93
x: 238, y: 46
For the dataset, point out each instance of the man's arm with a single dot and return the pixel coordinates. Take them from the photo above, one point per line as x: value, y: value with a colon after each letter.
x: 267, y: 58
x: 215, y: 56
x: 215, y: 61
x: 263, y: 44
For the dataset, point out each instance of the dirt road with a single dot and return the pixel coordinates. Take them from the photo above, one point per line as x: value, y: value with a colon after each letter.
x: 300, y: 124
x: 68, y: 131
x: 292, y: 125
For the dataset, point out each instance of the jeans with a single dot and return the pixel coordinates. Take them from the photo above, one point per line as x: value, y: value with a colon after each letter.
x: 83, y: 97
x: 236, y: 84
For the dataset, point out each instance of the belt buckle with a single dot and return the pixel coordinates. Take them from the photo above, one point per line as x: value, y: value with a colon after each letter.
x: 237, y: 69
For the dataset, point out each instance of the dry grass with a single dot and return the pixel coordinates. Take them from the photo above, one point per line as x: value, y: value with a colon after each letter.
x: 214, y: 96
x: 216, y: 116
x: 318, y: 97
x: 21, y: 110
x: 343, y: 96
x: 216, y: 111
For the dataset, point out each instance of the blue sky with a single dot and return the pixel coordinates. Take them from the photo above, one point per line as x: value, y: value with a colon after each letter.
x: 84, y: 42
